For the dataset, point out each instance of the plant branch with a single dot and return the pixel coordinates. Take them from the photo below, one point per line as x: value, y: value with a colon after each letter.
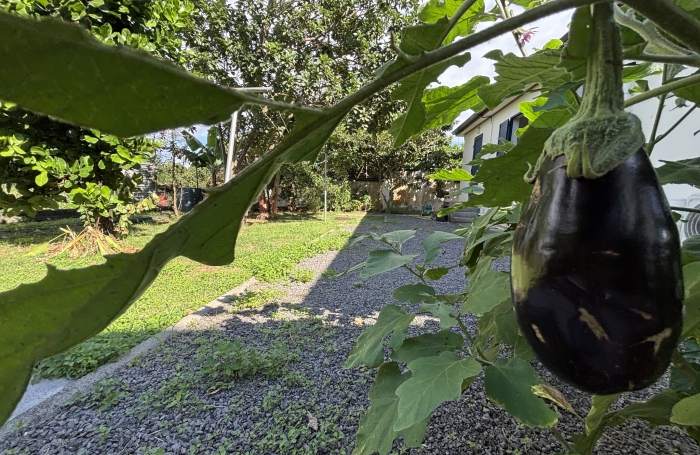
x: 664, y: 89
x: 482, y: 358
x: 657, y: 119
x: 675, y: 125
x: 560, y: 438
x: 420, y: 277
x: 505, y: 14
x: 279, y: 105
x: 685, y: 209
x: 687, y: 60
x: 454, y: 20
x: 670, y: 18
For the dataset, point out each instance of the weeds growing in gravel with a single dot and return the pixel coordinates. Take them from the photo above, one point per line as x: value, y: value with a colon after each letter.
x: 302, y: 275
x: 255, y: 299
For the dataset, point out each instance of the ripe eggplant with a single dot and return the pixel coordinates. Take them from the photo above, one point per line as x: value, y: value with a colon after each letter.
x: 596, y: 276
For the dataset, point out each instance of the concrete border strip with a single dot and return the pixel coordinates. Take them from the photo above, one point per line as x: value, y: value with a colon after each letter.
x: 46, y: 402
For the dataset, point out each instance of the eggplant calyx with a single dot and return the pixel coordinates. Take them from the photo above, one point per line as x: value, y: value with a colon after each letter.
x: 601, y: 135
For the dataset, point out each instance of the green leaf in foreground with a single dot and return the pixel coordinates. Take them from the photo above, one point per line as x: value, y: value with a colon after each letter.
x: 434, y: 380
x: 376, y: 432
x: 516, y: 74
x: 143, y: 93
x: 67, y: 307
x: 444, y: 104
x: 412, y: 293
x: 411, y: 90
x: 657, y: 410
x: 369, y: 349
x: 509, y: 384
x: 599, y: 407
x: 428, y: 345
x: 455, y: 175
x: 503, y: 176
x: 381, y: 261
x: 691, y: 317
x: 682, y: 171
x: 432, y: 243
x: 441, y: 311
x: 687, y: 411
x: 487, y: 292
x: 690, y: 250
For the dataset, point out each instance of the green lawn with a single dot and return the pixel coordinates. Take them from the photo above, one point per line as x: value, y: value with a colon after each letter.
x: 267, y: 251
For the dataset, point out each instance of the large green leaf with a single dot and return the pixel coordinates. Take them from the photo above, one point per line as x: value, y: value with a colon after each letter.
x: 599, y: 406
x: 441, y: 310
x: 434, y: 381
x: 115, y: 89
x: 432, y: 243
x: 516, y: 74
x: 437, y: 10
x: 411, y: 91
x: 691, y: 317
x: 487, y: 292
x: 690, y: 250
x: 412, y: 293
x: 444, y: 104
x: 641, y: 71
x: 574, y: 57
x: 503, y: 176
x: 376, y: 432
x: 69, y: 306
x: 455, y: 175
x: 509, y: 384
x: 682, y: 171
x: 428, y: 345
x: 369, y: 350
x: 657, y: 410
x: 687, y: 411
x: 381, y: 261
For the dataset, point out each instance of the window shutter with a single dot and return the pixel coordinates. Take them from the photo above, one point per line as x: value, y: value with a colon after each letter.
x: 478, y: 144
x: 504, y: 131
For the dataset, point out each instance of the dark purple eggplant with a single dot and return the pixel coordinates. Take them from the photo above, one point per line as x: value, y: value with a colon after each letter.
x: 596, y: 276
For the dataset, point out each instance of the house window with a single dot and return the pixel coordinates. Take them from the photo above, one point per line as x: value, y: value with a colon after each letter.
x: 507, y: 129
x: 478, y: 143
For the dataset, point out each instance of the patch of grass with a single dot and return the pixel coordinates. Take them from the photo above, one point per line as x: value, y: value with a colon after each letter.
x: 269, y: 251
x: 302, y: 275
x: 255, y: 299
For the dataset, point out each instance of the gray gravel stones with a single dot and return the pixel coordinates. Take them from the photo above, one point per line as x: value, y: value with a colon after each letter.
x: 307, y: 403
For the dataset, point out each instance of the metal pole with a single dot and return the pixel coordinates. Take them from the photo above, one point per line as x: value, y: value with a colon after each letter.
x: 231, y: 146
x: 325, y: 185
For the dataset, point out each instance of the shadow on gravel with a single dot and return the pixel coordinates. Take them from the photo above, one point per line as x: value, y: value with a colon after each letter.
x: 269, y: 380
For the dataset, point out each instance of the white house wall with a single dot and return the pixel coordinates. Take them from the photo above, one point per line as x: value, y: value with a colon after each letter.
x: 489, y: 127
x: 680, y: 144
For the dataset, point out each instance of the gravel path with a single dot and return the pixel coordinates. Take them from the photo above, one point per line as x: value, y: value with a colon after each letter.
x: 300, y: 400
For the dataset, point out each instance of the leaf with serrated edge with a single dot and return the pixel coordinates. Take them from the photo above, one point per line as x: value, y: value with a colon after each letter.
x: 381, y: 261
x: 144, y: 93
x: 487, y: 292
x: 432, y: 243
x: 412, y: 293
x: 509, y: 384
x: 67, y: 307
x: 515, y: 74
x: 444, y: 104
x: 375, y: 433
x: 428, y: 345
x: 434, y: 381
x: 369, y: 350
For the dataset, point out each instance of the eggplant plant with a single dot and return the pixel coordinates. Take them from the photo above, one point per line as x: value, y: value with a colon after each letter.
x: 145, y: 94
x: 209, y: 156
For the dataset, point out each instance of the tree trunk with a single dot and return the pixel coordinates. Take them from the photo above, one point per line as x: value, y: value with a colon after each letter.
x: 263, y: 212
x: 275, y: 196
x: 175, y: 208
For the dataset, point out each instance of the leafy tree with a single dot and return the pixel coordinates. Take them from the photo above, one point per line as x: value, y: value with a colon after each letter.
x: 46, y: 162
x: 438, y: 366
